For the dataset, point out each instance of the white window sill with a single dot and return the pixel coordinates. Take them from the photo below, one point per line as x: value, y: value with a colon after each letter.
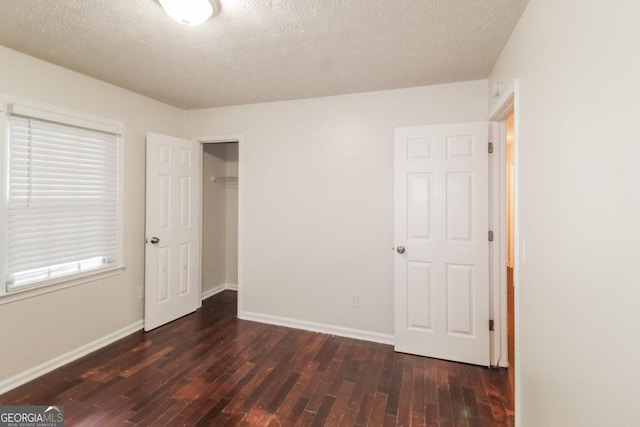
x: 57, y: 285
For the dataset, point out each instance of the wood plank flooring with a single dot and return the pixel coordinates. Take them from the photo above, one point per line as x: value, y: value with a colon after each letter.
x: 210, y: 368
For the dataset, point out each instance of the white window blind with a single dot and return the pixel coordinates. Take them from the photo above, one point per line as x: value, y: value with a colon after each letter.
x: 62, y: 211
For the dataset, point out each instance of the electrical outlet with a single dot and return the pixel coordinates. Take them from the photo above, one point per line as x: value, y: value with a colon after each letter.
x: 140, y: 293
x: 355, y: 300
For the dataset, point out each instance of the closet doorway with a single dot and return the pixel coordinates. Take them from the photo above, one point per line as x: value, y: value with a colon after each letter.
x: 220, y: 185
x: 510, y: 243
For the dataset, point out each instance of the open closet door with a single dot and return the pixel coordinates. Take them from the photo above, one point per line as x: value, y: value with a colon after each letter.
x: 172, y: 251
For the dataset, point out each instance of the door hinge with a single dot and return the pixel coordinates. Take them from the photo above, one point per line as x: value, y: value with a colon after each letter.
x: 491, y: 324
x: 490, y: 147
x: 491, y: 236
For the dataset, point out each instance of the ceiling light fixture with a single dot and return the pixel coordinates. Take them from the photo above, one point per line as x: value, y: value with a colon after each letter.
x: 188, y: 12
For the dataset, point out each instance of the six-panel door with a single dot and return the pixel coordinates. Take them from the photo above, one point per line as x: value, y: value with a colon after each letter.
x: 441, y: 219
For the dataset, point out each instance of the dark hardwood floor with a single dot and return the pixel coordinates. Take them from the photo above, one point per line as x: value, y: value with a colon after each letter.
x: 210, y: 368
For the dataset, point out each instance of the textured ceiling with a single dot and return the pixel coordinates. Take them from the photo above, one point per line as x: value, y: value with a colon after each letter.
x: 264, y: 50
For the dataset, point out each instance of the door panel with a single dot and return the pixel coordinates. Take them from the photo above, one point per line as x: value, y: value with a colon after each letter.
x: 419, y: 206
x: 459, y: 188
x: 172, y: 274
x: 441, y: 218
x: 460, y: 299
x: 419, y: 295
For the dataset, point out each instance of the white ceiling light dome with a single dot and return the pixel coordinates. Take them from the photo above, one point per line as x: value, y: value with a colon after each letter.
x: 188, y: 12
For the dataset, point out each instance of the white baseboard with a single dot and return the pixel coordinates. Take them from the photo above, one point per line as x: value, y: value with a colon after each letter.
x: 231, y: 286
x: 211, y: 292
x: 50, y: 365
x: 318, y: 327
x: 224, y: 287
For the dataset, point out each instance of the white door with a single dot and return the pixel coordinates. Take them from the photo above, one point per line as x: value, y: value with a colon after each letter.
x: 172, y: 254
x: 441, y: 237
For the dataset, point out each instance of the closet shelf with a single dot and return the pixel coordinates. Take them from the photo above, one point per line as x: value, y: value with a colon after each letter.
x: 226, y: 181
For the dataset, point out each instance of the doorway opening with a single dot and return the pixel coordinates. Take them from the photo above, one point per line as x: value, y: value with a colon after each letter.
x: 510, y: 242
x: 506, y: 252
x: 220, y: 184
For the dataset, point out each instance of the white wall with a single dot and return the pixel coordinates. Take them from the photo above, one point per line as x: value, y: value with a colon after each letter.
x: 317, y: 183
x: 579, y: 163
x: 231, y: 225
x: 35, y: 330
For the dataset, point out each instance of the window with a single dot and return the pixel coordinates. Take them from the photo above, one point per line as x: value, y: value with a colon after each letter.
x: 62, y: 198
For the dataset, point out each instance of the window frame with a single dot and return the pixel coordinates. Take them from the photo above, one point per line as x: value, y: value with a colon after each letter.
x: 70, y: 118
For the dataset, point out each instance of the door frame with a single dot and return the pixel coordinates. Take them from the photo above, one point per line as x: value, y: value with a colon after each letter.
x: 224, y: 139
x: 507, y: 103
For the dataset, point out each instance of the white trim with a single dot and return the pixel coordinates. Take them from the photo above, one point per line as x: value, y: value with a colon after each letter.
x: 318, y: 327
x: 241, y: 147
x: 60, y: 284
x: 113, y: 126
x: 505, y: 103
x: 213, y: 291
x: 220, y: 139
x: 220, y: 288
x: 516, y: 246
x: 50, y: 365
x: 231, y: 287
x: 200, y: 215
x: 52, y: 116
